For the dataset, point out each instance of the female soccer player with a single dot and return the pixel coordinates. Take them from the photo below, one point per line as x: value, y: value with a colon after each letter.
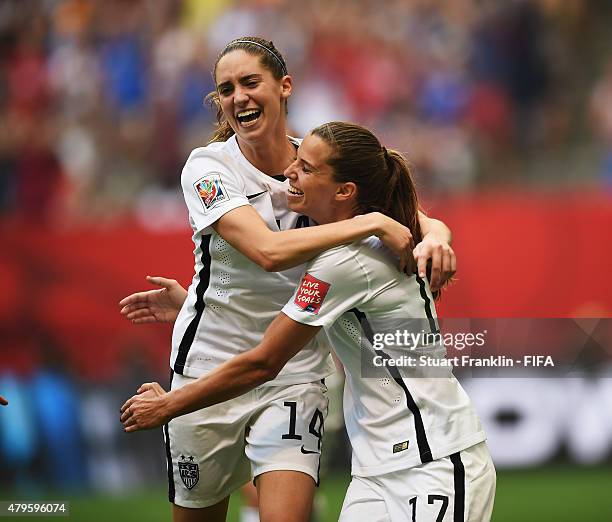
x: 418, y: 446
x: 244, y: 234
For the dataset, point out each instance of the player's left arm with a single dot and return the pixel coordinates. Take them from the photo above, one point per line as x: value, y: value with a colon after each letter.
x: 152, y: 406
x: 435, y: 246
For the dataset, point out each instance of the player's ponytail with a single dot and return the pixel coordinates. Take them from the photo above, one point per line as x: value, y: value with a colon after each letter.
x: 402, y: 202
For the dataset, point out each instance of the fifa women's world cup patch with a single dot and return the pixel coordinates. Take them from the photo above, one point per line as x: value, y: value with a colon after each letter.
x: 310, y: 294
x: 211, y: 191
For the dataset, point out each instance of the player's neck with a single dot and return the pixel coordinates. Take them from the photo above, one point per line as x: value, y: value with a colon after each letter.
x: 271, y: 155
x: 332, y: 215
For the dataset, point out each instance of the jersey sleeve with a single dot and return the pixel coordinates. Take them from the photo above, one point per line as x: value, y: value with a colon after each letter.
x: 333, y: 283
x: 212, y: 186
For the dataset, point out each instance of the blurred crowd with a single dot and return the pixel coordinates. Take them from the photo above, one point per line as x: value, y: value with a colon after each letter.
x: 102, y: 100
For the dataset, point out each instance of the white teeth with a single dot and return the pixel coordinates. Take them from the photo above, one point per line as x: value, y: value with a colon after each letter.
x: 248, y: 112
x: 294, y: 191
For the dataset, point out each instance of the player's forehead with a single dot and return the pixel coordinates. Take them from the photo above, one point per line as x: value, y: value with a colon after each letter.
x: 315, y: 151
x: 238, y: 64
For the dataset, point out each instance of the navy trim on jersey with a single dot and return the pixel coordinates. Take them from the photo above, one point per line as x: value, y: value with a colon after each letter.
x: 459, y: 482
x: 255, y: 195
x: 190, y: 331
x: 432, y: 322
x: 419, y: 427
x: 365, y: 325
x: 169, y: 465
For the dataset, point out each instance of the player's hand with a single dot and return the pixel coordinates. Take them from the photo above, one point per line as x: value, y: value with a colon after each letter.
x: 3, y: 401
x: 398, y: 239
x: 443, y: 261
x: 145, y: 410
x: 155, y: 306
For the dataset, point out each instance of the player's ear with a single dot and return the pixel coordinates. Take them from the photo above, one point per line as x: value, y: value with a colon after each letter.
x: 286, y: 86
x: 346, y: 191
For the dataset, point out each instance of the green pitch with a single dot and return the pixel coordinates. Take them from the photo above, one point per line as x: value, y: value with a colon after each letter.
x: 557, y: 494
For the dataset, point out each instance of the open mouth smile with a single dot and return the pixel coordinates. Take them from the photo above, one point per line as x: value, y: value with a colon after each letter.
x: 294, y: 192
x: 248, y: 117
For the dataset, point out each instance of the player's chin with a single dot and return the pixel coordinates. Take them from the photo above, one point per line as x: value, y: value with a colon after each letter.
x: 295, y: 204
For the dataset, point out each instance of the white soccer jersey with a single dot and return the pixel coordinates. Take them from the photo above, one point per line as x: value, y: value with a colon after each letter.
x: 394, y: 420
x: 231, y: 300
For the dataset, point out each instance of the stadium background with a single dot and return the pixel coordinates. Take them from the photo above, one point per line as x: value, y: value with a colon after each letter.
x: 505, y: 110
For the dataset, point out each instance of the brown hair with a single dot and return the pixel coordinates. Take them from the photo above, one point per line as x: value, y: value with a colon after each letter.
x: 269, y: 57
x: 383, y: 177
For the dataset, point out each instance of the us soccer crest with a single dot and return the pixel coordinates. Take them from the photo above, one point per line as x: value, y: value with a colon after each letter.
x: 189, y: 471
x: 211, y: 191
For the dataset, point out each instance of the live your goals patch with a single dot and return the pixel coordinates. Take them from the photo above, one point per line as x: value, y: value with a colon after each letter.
x: 310, y: 294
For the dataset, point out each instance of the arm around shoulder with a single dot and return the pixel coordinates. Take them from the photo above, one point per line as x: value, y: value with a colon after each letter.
x: 246, y: 231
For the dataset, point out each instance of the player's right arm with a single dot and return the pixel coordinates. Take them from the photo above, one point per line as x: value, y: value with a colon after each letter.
x: 152, y: 406
x: 246, y: 231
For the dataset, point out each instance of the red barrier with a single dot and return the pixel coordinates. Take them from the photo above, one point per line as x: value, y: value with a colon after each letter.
x: 528, y: 255
x: 519, y: 256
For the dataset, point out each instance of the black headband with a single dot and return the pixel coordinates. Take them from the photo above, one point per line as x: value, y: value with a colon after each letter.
x: 280, y: 62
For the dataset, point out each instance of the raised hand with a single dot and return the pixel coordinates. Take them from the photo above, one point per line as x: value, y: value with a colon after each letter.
x: 155, y: 306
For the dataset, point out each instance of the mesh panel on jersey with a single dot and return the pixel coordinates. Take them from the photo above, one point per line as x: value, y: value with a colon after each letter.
x: 351, y: 329
x: 223, y: 248
x: 225, y: 278
x: 221, y: 292
x: 222, y: 245
x: 384, y: 382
